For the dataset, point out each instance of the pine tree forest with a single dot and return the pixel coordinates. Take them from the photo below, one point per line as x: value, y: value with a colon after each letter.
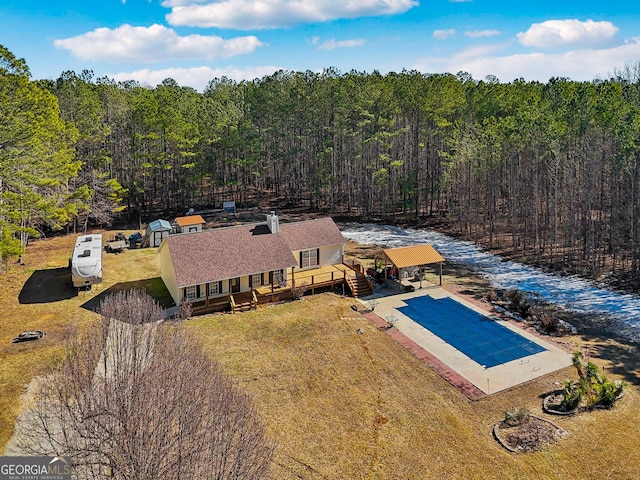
x: 547, y: 172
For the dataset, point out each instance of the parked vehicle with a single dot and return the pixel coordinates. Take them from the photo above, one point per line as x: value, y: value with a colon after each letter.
x: 135, y: 240
x: 117, y: 243
x: 86, y: 262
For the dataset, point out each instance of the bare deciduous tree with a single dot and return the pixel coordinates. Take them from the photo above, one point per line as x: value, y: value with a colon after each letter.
x: 185, y: 310
x: 131, y: 306
x: 141, y: 400
x: 98, y: 198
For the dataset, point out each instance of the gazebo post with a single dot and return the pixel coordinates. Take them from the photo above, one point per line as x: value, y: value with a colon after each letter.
x: 440, y: 273
x: 386, y: 273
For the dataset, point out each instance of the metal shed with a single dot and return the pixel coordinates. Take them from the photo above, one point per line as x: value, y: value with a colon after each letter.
x: 157, y: 231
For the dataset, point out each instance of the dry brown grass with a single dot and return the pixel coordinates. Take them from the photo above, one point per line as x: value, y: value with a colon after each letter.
x: 45, y: 279
x: 344, y: 405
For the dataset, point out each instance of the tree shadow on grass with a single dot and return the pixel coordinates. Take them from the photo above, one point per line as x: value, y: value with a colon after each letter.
x: 46, y: 286
x: 622, y: 354
x: 623, y: 357
x: 153, y: 286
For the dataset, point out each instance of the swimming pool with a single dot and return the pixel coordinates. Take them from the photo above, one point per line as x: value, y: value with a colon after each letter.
x: 483, y: 340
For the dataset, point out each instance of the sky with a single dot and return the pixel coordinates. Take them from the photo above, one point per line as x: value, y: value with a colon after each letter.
x: 195, y: 41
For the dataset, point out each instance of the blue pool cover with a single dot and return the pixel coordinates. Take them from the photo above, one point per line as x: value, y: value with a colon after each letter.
x: 483, y: 340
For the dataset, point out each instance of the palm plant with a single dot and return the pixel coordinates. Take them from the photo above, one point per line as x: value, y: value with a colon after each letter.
x: 592, y: 388
x: 572, y: 393
x: 578, y: 363
x: 605, y: 392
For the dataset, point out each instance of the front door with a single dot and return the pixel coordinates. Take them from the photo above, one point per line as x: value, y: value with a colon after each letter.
x: 234, y: 285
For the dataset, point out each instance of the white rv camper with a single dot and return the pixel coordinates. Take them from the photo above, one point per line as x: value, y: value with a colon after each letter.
x: 86, y: 263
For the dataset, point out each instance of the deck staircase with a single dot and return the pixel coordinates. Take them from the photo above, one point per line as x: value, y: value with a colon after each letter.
x: 359, y: 285
x: 243, y: 302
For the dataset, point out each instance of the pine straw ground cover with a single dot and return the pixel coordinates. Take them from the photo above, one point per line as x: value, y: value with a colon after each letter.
x: 341, y: 405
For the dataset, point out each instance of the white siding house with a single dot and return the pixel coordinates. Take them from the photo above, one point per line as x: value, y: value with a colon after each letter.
x: 234, y: 260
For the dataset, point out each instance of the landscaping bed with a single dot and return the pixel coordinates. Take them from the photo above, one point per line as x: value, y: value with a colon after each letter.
x: 529, y: 435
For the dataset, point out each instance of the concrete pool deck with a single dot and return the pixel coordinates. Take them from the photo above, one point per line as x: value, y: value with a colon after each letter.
x: 449, y: 362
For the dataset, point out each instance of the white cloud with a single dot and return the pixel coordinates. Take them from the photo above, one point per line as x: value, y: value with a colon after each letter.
x: 481, y: 33
x: 197, y: 77
x: 259, y: 14
x: 561, y: 33
x: 443, y: 34
x: 580, y: 65
x: 333, y: 44
x: 479, y: 51
x: 151, y: 44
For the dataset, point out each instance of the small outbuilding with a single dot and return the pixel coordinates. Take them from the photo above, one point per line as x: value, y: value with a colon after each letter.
x: 188, y: 224
x: 229, y: 207
x: 156, y: 232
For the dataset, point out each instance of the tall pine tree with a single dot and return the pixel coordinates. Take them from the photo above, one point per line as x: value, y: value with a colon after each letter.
x: 36, y: 158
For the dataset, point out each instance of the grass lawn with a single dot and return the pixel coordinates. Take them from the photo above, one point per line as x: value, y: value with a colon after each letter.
x: 341, y: 405
x: 348, y: 405
x: 39, y: 296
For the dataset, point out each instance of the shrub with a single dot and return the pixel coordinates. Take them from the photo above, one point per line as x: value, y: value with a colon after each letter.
x: 572, y: 393
x: 605, y: 392
x: 516, y: 416
x: 491, y: 296
x: 298, y: 291
x: 548, y: 323
x: 592, y: 389
x: 185, y: 310
x: 518, y: 303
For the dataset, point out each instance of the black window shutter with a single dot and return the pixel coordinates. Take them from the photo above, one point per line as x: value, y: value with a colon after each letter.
x: 220, y: 286
x: 317, y: 256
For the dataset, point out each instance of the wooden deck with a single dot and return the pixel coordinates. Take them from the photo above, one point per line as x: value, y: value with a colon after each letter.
x: 322, y: 277
x: 310, y: 279
x: 304, y: 281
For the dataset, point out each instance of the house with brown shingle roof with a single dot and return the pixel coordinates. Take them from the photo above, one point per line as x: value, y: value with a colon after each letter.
x: 214, y: 269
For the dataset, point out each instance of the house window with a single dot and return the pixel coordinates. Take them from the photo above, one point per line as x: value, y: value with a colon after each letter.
x: 192, y: 292
x: 256, y: 280
x: 279, y: 278
x: 213, y: 289
x: 309, y: 258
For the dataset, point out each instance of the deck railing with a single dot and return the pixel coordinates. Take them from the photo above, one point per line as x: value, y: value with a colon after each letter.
x: 311, y: 279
